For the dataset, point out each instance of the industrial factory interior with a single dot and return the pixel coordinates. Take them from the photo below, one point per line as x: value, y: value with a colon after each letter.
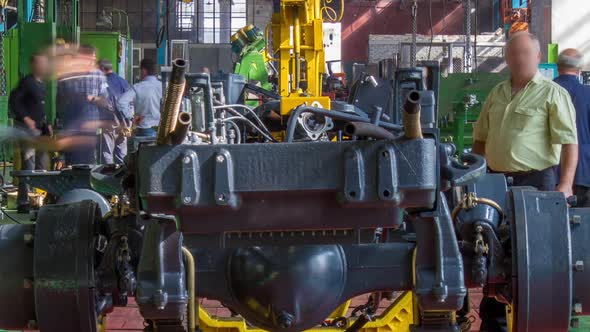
x: 295, y: 165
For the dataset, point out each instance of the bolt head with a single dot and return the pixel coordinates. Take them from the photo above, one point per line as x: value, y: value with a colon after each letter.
x: 576, y: 219
x: 220, y: 158
x: 28, y: 238
x: 579, y: 266
x: 186, y: 199
x: 578, y: 308
x: 186, y: 159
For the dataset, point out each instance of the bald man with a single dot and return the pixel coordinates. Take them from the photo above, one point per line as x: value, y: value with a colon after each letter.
x: 528, y: 123
x: 569, y: 64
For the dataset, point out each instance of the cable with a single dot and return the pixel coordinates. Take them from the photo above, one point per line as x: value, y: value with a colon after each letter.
x: 265, y: 131
x: 431, y: 28
x: 9, y: 216
x: 251, y: 111
x: 237, y: 129
x: 475, y: 40
x: 243, y: 118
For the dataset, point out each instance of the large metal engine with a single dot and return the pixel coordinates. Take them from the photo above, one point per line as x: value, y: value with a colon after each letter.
x: 283, y: 233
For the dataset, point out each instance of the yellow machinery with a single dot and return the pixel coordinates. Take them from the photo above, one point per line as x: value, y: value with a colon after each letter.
x: 297, y: 40
x: 396, y: 318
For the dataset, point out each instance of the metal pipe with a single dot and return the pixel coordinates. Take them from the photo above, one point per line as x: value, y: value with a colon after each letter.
x: 411, y: 115
x: 172, y: 102
x: 336, y: 115
x: 179, y: 134
x: 192, y: 310
x: 367, y: 130
x: 296, y: 48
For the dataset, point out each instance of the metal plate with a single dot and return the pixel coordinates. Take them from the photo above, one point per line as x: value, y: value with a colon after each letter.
x: 542, y: 276
x: 64, y: 276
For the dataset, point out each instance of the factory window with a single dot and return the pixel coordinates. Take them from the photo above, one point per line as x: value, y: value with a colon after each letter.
x: 209, y: 21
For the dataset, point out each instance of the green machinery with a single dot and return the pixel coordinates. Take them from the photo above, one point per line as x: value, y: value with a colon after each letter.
x: 250, y: 45
x: 114, y: 42
x: 461, y: 98
x: 113, y: 46
x: 38, y: 25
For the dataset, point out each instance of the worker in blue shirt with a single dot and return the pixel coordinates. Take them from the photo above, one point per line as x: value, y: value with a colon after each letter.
x: 113, y: 139
x: 569, y: 64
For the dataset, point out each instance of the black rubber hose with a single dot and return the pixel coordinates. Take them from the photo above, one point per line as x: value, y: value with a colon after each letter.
x: 336, y: 115
x: 366, y: 129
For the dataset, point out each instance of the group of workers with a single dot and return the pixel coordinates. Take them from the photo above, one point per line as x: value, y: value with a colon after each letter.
x: 95, y: 108
x: 537, y: 132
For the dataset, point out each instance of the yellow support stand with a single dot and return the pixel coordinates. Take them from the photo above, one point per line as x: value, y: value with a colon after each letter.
x: 396, y: 318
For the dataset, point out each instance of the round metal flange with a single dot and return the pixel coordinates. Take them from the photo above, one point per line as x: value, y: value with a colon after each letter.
x: 64, y: 267
x: 541, y: 251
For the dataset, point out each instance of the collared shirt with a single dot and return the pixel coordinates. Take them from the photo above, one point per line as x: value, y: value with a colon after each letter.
x: 145, y: 96
x: 525, y: 132
x: 580, y: 95
x: 117, y: 85
x: 72, y: 93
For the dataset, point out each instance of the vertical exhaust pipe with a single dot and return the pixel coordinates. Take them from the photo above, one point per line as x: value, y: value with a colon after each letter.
x: 411, y: 115
x: 172, y: 101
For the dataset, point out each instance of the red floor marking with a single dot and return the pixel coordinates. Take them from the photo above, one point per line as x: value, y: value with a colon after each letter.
x: 128, y: 319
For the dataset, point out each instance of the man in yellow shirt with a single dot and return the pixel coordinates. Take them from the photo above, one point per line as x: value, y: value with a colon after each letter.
x: 528, y: 123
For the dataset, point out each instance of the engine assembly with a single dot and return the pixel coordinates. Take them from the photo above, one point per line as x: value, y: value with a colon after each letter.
x: 283, y: 218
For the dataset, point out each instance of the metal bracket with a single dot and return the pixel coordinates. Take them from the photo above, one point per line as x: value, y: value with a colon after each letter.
x: 388, y: 188
x: 224, y: 179
x: 189, y: 187
x: 354, y: 175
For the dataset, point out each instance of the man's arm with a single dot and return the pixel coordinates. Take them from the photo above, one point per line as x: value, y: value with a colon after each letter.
x: 124, y: 103
x: 562, y: 125
x: 18, y: 107
x: 569, y: 162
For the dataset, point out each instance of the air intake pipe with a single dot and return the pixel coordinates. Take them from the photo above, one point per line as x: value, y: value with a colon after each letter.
x: 411, y: 115
x: 172, y: 101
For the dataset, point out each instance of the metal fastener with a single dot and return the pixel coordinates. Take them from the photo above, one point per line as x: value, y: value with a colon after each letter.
x: 576, y: 219
x: 186, y: 159
x: 186, y: 199
x: 578, y: 308
x: 220, y: 159
x: 28, y: 238
x: 579, y: 266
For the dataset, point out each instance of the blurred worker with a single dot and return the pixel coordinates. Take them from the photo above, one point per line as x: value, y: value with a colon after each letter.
x: 27, y: 103
x: 527, y: 124
x: 114, y: 142
x: 145, y: 96
x: 81, y: 94
x: 570, y: 64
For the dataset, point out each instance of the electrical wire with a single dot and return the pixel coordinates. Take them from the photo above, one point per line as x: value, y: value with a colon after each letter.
x: 264, y: 131
x: 9, y: 216
x: 250, y: 110
x: 237, y: 129
x: 475, y: 40
x: 431, y: 28
x: 240, y: 117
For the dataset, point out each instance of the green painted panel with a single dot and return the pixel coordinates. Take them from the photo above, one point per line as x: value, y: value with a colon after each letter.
x: 106, y: 44
x: 456, y: 112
